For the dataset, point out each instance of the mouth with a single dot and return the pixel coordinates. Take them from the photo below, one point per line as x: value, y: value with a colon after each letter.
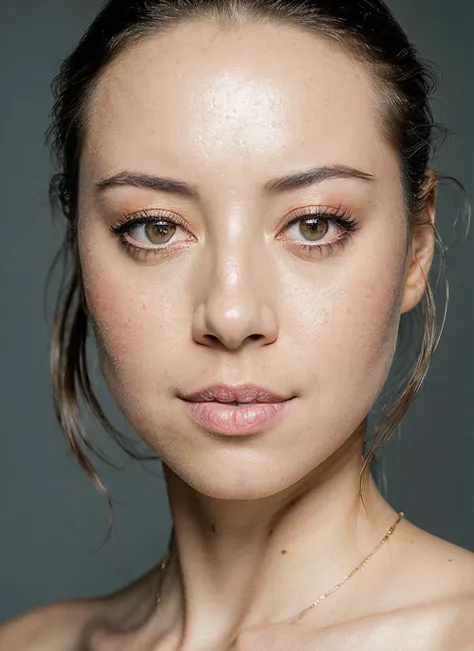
x: 236, y: 410
x: 235, y: 419
x: 241, y: 395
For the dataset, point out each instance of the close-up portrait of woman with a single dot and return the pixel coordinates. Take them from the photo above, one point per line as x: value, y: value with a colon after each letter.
x: 259, y: 244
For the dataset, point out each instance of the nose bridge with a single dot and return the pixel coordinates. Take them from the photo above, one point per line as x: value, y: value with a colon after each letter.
x: 238, y: 253
x: 238, y: 291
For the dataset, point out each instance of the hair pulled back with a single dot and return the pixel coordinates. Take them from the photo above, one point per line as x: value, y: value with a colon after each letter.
x: 364, y: 28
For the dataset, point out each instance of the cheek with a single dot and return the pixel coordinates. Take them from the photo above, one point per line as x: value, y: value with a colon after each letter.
x: 347, y: 335
x: 136, y: 323
x: 135, y: 341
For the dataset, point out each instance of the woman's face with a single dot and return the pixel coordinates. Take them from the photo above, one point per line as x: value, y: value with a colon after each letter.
x: 233, y: 293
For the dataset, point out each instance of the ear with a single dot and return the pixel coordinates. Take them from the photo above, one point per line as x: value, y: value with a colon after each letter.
x: 422, y: 246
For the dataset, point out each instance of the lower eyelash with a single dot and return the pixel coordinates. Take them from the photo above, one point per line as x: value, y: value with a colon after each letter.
x: 348, y: 224
x: 323, y: 249
x: 141, y: 253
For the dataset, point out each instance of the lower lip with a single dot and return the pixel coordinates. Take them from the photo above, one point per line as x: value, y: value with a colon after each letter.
x: 220, y: 418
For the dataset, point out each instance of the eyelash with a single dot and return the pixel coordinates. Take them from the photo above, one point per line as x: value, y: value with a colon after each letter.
x: 339, y: 217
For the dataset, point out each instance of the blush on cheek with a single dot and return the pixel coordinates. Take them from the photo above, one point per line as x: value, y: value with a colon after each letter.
x: 117, y: 324
x: 376, y: 322
x: 113, y: 311
x: 360, y: 333
x: 132, y: 336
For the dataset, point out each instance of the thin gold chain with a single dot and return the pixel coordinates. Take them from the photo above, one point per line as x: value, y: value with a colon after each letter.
x: 351, y: 574
x: 324, y: 596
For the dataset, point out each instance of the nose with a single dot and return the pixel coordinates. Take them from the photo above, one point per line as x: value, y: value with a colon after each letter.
x: 238, y: 303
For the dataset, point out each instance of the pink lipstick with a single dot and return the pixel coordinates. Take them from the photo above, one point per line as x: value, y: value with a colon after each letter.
x: 235, y: 411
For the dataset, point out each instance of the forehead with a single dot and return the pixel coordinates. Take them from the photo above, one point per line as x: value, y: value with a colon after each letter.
x: 241, y: 98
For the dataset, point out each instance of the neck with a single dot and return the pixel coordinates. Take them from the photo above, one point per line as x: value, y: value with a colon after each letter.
x: 260, y: 561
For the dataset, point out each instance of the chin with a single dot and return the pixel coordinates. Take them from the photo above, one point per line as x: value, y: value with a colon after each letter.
x: 236, y: 479
x: 229, y: 491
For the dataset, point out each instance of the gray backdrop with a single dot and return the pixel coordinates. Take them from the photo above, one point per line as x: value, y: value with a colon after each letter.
x: 52, y: 521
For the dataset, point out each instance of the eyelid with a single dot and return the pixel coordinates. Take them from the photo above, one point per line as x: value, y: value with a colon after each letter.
x: 154, y: 214
x: 336, y: 216
x: 151, y: 214
x: 311, y: 210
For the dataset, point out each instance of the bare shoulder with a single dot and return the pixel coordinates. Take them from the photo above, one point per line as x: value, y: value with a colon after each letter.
x: 442, y: 626
x: 72, y: 625
x: 449, y: 624
x: 445, y: 625
x: 57, y: 627
x: 436, y: 570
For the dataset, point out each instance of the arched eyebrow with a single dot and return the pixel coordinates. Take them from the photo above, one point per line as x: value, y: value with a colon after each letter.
x: 149, y: 182
x: 274, y: 186
x: 314, y: 176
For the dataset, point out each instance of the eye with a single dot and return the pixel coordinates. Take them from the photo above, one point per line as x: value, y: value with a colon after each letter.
x: 312, y: 229
x: 143, y: 232
x: 319, y: 229
x: 152, y: 232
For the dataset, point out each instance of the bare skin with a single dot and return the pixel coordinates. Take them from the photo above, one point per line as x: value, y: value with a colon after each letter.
x: 264, y: 524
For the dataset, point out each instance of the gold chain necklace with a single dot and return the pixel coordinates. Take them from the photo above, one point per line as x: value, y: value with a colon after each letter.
x: 164, y: 563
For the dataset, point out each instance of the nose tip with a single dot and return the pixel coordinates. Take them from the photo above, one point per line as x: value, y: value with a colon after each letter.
x: 249, y: 321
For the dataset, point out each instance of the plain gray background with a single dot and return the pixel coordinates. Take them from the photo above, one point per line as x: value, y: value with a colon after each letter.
x: 52, y: 521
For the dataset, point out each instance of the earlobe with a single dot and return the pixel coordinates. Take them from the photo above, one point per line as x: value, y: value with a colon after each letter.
x: 422, y: 247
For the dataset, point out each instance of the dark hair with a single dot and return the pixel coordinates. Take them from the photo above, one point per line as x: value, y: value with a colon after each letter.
x: 365, y: 28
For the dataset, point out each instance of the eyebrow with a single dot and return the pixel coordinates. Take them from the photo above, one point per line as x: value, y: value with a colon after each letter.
x: 274, y: 186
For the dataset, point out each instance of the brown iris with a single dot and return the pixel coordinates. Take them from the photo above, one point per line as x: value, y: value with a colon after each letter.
x: 314, y: 228
x: 157, y: 232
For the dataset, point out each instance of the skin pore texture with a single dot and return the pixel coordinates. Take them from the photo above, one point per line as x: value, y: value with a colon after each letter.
x: 266, y: 523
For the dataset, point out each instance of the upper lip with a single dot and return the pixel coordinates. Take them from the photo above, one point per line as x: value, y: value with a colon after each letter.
x: 242, y: 393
